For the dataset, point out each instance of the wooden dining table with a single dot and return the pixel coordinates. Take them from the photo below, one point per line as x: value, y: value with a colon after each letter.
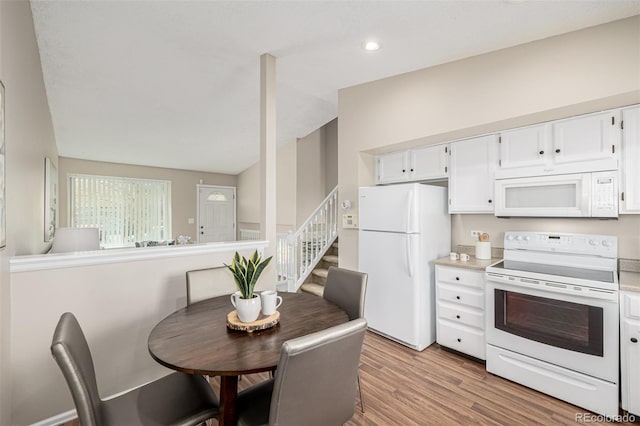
x: 196, y: 340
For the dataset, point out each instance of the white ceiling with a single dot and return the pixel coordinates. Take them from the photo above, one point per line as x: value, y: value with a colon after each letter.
x: 176, y: 83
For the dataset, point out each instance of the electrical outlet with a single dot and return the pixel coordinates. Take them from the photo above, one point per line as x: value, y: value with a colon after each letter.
x: 476, y: 234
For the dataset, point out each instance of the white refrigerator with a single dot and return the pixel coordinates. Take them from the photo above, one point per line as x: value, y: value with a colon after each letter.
x: 403, y: 230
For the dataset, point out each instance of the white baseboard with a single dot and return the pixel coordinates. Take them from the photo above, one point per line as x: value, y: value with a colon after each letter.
x: 58, y: 419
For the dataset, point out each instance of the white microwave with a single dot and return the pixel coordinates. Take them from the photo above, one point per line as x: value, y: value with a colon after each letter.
x: 571, y: 195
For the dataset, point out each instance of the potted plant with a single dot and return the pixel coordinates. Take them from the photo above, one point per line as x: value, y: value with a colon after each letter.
x: 245, y: 274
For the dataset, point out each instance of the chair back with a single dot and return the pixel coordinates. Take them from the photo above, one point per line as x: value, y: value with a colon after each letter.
x: 207, y: 283
x: 75, y: 239
x: 71, y: 351
x: 315, y: 383
x: 346, y: 289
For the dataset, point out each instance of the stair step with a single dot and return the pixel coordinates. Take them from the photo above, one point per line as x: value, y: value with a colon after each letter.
x: 320, y: 272
x: 313, y: 288
x: 330, y: 258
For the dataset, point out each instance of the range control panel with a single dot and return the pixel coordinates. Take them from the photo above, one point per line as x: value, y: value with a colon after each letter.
x: 596, y: 245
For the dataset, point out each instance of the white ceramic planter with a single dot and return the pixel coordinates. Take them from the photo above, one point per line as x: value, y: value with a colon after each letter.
x: 248, y: 309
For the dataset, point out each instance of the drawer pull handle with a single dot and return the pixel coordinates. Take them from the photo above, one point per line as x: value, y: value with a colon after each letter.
x: 459, y: 340
x: 458, y: 297
x: 458, y: 316
x: 541, y: 152
x: 457, y: 278
x: 634, y: 340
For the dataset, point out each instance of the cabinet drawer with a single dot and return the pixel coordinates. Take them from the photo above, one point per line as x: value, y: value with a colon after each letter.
x: 631, y: 305
x: 458, y: 294
x: 459, y: 314
x: 463, y: 339
x: 460, y: 276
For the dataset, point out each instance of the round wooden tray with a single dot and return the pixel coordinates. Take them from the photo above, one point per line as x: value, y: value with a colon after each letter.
x: 263, y: 322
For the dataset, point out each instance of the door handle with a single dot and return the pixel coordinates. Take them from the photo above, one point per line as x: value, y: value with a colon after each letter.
x: 634, y: 340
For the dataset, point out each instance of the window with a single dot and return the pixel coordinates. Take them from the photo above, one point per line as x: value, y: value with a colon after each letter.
x: 124, y: 210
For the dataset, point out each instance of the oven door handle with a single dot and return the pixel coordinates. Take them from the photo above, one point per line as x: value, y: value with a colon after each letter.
x: 514, y: 283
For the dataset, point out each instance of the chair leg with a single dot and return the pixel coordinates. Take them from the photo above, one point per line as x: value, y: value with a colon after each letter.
x: 360, y: 391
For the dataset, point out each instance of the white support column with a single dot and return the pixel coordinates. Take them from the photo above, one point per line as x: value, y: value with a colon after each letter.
x: 268, y: 159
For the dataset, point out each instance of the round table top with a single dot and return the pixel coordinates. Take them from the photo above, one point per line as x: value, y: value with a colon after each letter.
x: 196, y: 339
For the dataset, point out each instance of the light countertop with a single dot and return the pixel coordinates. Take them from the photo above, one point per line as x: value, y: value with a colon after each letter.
x: 472, y: 263
x: 629, y: 270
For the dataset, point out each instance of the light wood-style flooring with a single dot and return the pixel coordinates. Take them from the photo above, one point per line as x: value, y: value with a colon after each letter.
x: 438, y: 387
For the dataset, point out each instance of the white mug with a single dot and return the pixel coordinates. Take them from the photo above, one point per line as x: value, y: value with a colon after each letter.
x: 464, y: 257
x: 234, y: 296
x: 453, y: 256
x: 270, y: 302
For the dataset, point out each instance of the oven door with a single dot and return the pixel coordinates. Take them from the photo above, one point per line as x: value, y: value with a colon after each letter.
x: 570, y: 330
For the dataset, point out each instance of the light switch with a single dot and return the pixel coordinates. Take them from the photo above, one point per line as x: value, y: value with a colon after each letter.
x: 191, y: 221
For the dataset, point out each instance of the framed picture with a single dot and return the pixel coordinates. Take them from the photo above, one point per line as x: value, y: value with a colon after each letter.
x: 50, y: 199
x: 3, y: 197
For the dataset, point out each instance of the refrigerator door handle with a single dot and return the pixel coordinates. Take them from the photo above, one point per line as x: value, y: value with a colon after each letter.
x: 409, y: 253
x: 409, y: 211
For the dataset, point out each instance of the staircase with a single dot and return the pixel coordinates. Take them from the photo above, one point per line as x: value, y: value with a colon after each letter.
x: 315, y: 282
x: 299, y: 253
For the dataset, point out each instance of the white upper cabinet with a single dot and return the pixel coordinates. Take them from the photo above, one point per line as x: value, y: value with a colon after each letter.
x: 527, y: 146
x: 586, y: 138
x: 391, y: 167
x: 428, y: 163
x: 472, y: 167
x: 580, y: 144
x: 418, y: 164
x: 630, y: 161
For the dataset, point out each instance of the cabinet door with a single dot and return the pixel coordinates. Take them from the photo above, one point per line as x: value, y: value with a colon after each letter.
x: 473, y: 163
x: 629, y: 161
x: 524, y: 147
x: 392, y: 167
x: 630, y: 368
x: 585, y: 138
x: 428, y: 163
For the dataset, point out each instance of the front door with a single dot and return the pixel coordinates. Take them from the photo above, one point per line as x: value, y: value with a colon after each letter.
x: 216, y: 213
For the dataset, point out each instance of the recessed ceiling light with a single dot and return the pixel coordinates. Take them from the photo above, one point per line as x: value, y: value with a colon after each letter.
x: 371, y: 45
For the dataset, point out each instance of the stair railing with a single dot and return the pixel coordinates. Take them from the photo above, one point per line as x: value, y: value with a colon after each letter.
x: 298, y: 253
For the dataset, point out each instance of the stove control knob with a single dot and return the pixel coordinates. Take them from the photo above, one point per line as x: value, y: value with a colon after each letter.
x: 593, y: 242
x: 519, y: 238
x: 510, y: 237
x: 605, y: 243
x: 527, y: 238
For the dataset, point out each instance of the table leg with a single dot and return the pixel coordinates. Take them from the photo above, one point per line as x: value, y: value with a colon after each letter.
x: 228, y: 396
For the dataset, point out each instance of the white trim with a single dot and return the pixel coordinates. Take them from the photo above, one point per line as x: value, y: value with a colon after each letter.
x: 58, y: 419
x: 101, y: 257
x: 67, y: 416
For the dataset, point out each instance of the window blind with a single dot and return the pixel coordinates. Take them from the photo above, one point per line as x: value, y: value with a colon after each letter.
x: 125, y: 210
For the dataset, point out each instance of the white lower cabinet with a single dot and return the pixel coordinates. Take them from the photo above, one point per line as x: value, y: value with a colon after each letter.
x: 630, y: 351
x: 460, y: 310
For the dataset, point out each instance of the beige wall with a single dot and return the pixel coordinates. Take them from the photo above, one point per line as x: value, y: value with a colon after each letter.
x: 307, y: 169
x: 249, y: 192
x: 183, y: 187
x: 578, y: 72
x: 311, y: 178
x: 331, y: 154
x: 29, y: 139
x: 317, y: 160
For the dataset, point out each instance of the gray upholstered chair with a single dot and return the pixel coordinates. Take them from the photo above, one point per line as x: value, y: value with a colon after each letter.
x: 207, y: 283
x: 177, y: 399
x: 315, y: 383
x: 347, y: 289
